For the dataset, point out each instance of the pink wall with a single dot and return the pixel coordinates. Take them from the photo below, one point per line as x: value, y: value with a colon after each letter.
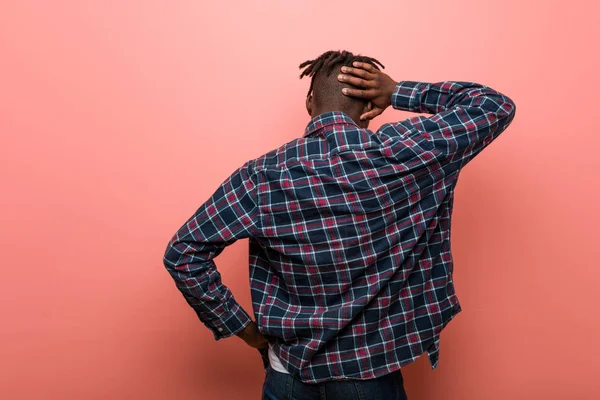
x: 117, y: 121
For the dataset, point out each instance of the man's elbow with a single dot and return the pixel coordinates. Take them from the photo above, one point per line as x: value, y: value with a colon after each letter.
x: 502, y: 108
x: 171, y: 256
x: 510, y: 109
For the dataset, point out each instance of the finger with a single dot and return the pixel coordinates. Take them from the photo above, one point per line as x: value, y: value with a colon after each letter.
x: 358, y: 72
x: 363, y: 94
x: 366, y: 66
x: 354, y: 81
x: 371, y: 114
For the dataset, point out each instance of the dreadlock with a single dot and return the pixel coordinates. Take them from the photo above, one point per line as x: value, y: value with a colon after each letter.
x: 327, y: 61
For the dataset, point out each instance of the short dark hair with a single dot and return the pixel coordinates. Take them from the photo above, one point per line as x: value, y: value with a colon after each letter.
x: 326, y: 62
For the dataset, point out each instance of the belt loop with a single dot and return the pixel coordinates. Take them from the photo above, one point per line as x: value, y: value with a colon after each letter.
x: 361, y: 395
x: 322, y: 390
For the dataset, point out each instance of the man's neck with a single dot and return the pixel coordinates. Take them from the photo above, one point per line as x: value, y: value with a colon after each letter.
x: 355, y: 117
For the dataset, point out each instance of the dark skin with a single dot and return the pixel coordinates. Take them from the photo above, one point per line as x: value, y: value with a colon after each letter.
x: 252, y: 336
x: 315, y: 110
x: 369, y: 84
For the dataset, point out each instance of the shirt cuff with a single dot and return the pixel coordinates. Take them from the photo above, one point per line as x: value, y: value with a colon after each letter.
x: 407, y: 95
x: 233, y: 322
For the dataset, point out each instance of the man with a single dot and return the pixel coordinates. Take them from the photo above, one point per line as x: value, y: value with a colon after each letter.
x: 350, y: 261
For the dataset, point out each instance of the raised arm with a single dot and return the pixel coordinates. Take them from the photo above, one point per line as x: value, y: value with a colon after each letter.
x: 467, y: 116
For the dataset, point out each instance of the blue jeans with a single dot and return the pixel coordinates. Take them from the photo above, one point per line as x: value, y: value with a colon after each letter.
x: 280, y: 386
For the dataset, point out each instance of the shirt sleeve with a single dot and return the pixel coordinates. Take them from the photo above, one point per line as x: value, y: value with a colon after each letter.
x: 231, y: 213
x: 467, y: 117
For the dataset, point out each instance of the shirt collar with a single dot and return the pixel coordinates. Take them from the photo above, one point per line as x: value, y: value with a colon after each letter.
x: 326, y: 119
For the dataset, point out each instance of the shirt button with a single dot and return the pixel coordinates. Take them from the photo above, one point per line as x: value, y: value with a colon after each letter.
x: 220, y: 329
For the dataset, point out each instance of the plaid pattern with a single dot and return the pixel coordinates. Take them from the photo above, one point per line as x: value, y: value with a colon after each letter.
x: 350, y: 262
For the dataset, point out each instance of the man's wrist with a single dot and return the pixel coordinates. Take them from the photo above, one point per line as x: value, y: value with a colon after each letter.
x: 250, y: 330
x: 407, y: 95
x: 390, y: 92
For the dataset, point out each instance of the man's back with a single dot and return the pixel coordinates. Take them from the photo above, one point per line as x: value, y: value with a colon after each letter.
x: 355, y: 254
x: 350, y: 263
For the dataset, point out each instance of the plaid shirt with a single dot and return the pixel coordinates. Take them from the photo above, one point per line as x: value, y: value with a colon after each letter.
x: 350, y: 261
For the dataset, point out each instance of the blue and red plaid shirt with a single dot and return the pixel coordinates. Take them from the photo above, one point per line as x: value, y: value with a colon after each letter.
x: 350, y: 261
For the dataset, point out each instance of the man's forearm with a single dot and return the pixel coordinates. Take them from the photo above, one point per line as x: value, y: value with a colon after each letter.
x: 432, y: 98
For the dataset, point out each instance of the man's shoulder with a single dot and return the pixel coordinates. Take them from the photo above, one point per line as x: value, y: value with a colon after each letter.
x: 296, y: 149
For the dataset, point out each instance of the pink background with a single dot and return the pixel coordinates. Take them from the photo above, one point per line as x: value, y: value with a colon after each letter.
x: 119, y: 118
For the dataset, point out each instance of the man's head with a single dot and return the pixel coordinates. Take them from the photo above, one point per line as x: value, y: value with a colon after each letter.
x: 325, y: 92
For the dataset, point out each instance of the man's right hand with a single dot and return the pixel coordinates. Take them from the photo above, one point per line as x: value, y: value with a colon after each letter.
x: 370, y: 84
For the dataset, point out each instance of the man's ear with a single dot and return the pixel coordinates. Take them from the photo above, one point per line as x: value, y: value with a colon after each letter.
x: 309, y: 104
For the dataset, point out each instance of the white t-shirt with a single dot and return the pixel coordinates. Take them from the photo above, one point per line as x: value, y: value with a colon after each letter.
x: 275, y: 363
